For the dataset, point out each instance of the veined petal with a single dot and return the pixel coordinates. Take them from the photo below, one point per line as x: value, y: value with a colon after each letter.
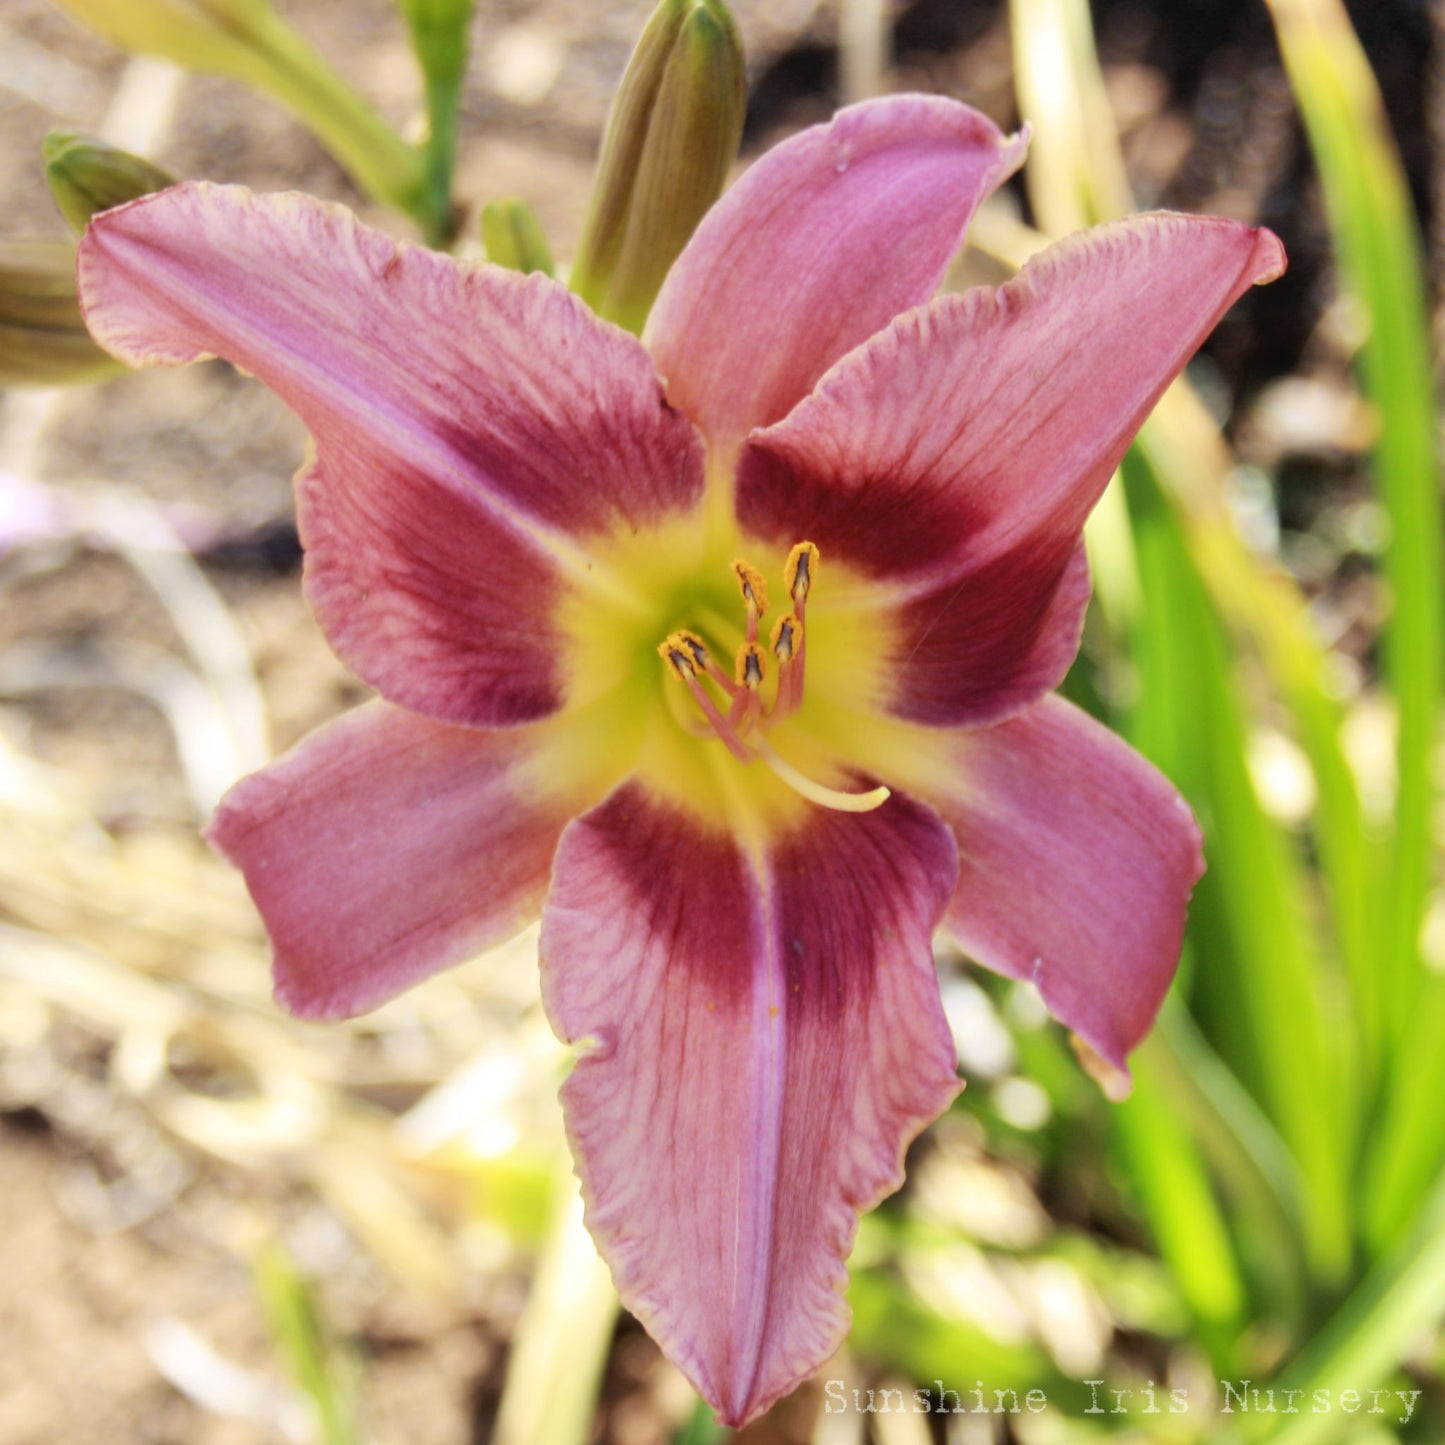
x: 822, y: 242
x: 385, y: 847
x: 1076, y: 862
x: 761, y: 1037
x: 474, y: 428
x: 954, y: 457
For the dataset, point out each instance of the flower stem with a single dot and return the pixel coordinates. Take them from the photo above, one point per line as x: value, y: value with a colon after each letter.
x: 384, y: 165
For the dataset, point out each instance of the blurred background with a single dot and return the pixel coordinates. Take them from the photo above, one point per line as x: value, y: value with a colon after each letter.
x: 222, y: 1227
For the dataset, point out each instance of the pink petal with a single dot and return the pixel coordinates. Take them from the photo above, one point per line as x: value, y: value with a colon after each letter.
x: 955, y: 456
x: 822, y: 242
x: 761, y: 1037
x: 385, y: 847
x: 1076, y: 862
x: 472, y: 427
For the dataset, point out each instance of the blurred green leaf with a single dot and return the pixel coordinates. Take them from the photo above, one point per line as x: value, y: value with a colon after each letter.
x: 512, y: 236
x: 439, y: 35
x: 1262, y: 991
x: 562, y: 1340
x: 1378, y: 248
x: 294, y: 1319
x: 251, y: 42
x: 1401, y: 1298
x: 1255, y: 1170
x: 894, y: 1329
x: 1075, y: 174
x: 1168, y: 1174
x: 701, y: 1428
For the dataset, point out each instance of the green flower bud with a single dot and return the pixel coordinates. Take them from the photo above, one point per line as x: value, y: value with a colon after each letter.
x: 87, y: 176
x: 672, y: 135
x: 513, y: 236
x: 43, y: 340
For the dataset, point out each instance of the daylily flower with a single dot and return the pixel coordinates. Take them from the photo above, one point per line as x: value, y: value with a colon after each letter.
x: 658, y: 624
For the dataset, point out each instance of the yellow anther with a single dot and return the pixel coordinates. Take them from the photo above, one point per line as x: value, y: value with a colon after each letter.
x: 750, y: 666
x: 684, y: 652
x: 787, y: 637
x: 694, y: 645
x: 801, y: 571
x: 755, y: 590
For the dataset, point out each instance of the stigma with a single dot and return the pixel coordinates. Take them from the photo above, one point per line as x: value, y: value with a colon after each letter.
x: 738, y: 710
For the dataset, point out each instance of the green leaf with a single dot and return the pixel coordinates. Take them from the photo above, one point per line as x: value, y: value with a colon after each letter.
x: 1262, y: 990
x: 295, y: 1321
x: 1379, y: 253
x: 1401, y: 1298
x: 251, y: 42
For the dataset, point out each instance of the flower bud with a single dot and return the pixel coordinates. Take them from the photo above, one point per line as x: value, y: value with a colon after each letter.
x: 87, y: 176
x: 672, y: 135
x: 513, y: 236
x: 43, y: 340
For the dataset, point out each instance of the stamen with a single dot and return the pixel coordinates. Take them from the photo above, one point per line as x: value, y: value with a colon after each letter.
x: 747, y: 709
x: 701, y: 657
x: 785, y: 637
x: 786, y: 641
x: 678, y: 651
x: 755, y: 594
x: 750, y: 666
x: 816, y: 792
x: 800, y: 572
x: 684, y: 652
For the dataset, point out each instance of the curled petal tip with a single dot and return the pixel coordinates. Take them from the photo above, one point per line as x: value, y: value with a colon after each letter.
x: 1115, y: 1080
x: 1269, y: 257
x: 1077, y: 863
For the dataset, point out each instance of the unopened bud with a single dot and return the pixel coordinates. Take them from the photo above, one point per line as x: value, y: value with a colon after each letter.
x: 87, y: 176
x: 513, y: 237
x: 671, y: 137
x: 43, y: 340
